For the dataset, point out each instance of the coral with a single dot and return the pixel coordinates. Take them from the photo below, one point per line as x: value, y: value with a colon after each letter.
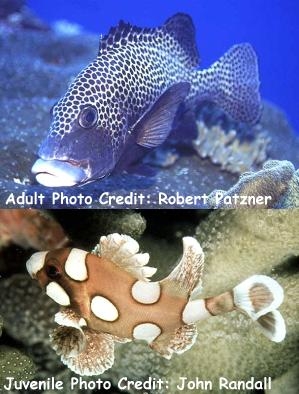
x: 239, y: 243
x: 124, y: 222
x: 288, y: 383
x: 227, y: 150
x: 277, y: 179
x: 100, y: 222
x: 14, y: 363
x: 30, y: 228
x: 1, y: 325
x: 26, y: 311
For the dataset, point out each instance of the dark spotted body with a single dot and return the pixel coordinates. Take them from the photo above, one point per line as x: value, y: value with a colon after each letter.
x: 130, y: 94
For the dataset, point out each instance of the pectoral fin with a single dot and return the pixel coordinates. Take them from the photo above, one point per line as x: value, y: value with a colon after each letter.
x: 97, y: 356
x: 85, y: 352
x: 154, y: 127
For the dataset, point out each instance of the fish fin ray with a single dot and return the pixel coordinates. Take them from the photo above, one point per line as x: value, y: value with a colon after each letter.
x: 95, y: 357
x: 67, y: 317
x: 234, y: 85
x: 258, y: 295
x: 123, y: 251
x: 181, y: 27
x: 123, y: 31
x: 177, y: 342
x: 67, y: 341
x: 187, y: 275
x: 272, y: 325
x: 155, y: 126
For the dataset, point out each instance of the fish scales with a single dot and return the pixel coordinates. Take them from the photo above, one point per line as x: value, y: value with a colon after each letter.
x: 130, y: 96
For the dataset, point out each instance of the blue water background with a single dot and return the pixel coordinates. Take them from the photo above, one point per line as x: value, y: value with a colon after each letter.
x: 271, y: 26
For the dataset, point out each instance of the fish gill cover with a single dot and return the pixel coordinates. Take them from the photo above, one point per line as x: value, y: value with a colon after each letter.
x: 207, y: 151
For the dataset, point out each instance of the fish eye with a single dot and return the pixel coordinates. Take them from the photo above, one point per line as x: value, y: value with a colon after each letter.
x: 52, y: 271
x: 88, y: 117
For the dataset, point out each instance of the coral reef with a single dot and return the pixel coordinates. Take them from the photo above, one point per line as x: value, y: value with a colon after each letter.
x: 288, y: 383
x: 21, y: 303
x: 277, y: 179
x: 14, y: 363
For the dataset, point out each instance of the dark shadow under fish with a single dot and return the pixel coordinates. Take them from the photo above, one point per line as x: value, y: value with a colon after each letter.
x: 125, y: 102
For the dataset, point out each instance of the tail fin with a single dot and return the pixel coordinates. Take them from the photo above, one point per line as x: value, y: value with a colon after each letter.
x: 234, y: 83
x: 259, y: 296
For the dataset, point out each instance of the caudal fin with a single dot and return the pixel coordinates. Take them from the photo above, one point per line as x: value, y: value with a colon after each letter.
x: 259, y: 296
x: 233, y: 82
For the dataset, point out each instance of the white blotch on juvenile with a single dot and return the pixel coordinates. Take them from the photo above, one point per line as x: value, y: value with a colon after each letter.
x: 195, y: 311
x: 75, y: 265
x: 36, y: 263
x: 58, y: 294
x: 103, y: 308
x: 147, y: 332
x: 146, y: 292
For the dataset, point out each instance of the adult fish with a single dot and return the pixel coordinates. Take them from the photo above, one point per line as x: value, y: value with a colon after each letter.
x: 126, y: 100
x: 106, y: 297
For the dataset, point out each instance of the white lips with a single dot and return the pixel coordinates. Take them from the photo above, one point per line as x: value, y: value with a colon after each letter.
x: 55, y: 173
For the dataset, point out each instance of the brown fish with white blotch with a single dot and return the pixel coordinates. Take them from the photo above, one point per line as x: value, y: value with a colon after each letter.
x: 106, y: 296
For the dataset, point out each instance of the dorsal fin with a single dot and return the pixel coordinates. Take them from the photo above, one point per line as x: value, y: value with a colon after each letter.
x: 122, y: 250
x: 188, y: 273
x: 181, y: 27
x: 122, y: 33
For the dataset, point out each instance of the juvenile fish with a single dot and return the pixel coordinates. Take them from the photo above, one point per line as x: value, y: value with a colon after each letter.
x: 106, y: 297
x: 127, y: 100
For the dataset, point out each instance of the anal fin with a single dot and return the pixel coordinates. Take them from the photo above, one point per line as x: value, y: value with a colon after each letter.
x: 177, y: 342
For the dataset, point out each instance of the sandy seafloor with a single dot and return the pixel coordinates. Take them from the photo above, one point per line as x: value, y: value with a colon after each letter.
x: 36, y: 67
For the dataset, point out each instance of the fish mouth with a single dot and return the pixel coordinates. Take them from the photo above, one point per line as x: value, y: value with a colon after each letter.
x: 57, y: 173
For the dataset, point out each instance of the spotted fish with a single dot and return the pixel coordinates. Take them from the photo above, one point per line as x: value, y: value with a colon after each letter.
x: 107, y: 297
x: 127, y: 100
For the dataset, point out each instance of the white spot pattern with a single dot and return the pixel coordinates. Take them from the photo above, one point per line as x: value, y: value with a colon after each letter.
x: 146, y: 292
x: 103, y: 309
x: 58, y: 294
x: 75, y: 265
x: 147, y: 332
